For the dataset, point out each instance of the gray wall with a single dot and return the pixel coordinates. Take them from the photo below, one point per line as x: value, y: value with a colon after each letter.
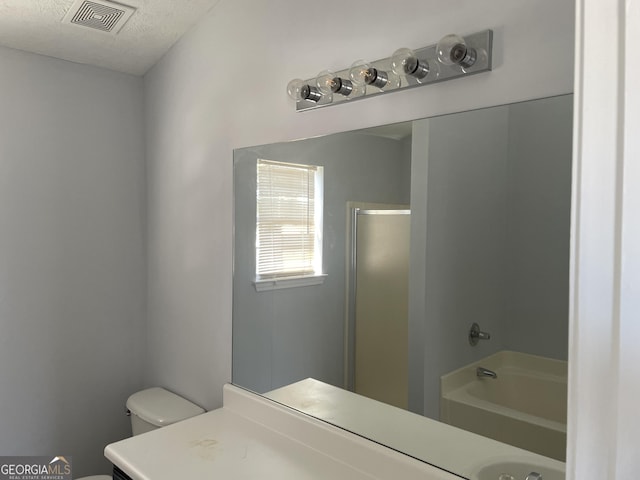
x: 540, y: 136
x: 465, y: 236
x: 72, y: 289
x: 282, y: 336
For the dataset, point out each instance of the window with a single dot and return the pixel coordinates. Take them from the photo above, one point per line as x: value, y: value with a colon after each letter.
x: 288, y: 222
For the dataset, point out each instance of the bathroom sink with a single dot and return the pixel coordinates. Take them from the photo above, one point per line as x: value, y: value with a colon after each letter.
x: 518, y: 470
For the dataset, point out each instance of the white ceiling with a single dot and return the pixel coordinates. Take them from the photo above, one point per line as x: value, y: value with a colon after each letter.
x: 36, y: 26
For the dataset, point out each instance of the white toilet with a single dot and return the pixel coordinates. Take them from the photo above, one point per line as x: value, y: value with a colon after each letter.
x: 154, y: 408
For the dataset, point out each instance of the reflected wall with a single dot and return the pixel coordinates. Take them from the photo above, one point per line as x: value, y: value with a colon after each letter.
x: 282, y: 336
x: 491, y: 193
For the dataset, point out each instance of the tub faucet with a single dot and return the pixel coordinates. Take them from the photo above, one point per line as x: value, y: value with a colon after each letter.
x: 534, y: 476
x: 482, y: 372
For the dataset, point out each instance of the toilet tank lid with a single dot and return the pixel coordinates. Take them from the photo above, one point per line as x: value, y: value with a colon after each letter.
x: 161, y: 407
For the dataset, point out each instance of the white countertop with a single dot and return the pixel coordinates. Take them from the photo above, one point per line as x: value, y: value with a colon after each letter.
x: 225, y: 445
x: 251, y: 437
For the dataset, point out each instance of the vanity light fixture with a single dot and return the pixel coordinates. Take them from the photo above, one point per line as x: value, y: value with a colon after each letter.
x: 452, y: 57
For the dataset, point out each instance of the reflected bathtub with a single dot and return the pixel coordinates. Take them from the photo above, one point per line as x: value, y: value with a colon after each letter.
x: 526, y: 406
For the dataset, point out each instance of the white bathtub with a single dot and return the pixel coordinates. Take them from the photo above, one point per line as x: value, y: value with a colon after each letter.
x: 526, y: 406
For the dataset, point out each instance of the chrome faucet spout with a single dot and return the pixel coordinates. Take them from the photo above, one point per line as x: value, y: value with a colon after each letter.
x: 482, y: 372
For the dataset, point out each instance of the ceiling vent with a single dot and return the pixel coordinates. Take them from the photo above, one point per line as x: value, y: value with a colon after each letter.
x: 100, y: 15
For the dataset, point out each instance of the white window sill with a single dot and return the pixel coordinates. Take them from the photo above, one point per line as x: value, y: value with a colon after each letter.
x: 289, y: 282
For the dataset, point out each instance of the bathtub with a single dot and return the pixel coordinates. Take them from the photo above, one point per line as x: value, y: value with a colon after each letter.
x: 526, y: 406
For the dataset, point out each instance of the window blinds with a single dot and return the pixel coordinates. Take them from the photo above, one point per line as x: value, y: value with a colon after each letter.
x: 289, y: 219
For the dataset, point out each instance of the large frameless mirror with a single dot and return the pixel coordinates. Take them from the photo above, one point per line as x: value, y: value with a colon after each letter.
x: 424, y: 265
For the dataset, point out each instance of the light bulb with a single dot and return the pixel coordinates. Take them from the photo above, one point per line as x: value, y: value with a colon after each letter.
x: 328, y: 83
x: 404, y: 62
x: 362, y: 72
x: 324, y: 81
x: 358, y: 71
x: 299, y: 90
x: 453, y: 50
x: 293, y: 89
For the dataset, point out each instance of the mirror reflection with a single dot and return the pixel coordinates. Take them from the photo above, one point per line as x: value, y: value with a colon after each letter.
x: 441, y: 253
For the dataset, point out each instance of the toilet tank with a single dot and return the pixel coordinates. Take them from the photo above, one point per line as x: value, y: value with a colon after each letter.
x: 156, y: 407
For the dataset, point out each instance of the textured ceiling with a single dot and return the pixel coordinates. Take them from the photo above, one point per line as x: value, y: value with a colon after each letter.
x: 36, y: 26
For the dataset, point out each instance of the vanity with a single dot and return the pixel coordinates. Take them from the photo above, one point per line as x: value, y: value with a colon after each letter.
x: 255, y: 436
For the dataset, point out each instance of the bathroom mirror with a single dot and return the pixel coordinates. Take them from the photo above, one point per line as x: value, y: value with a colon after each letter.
x: 428, y: 227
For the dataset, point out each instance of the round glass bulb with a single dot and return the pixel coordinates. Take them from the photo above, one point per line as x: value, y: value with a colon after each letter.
x: 451, y: 49
x: 300, y: 90
x: 358, y: 72
x: 294, y: 87
x: 403, y: 62
x: 325, y: 83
